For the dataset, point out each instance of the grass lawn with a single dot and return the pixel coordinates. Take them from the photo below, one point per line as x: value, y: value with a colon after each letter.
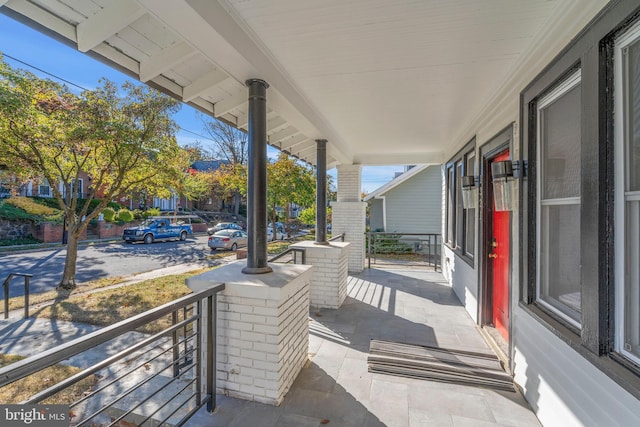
x: 55, y: 295
x: 110, y: 306
x: 28, y: 386
x: 100, y: 307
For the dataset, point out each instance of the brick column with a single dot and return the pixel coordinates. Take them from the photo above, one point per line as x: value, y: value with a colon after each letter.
x: 349, y: 214
x: 330, y: 262
x: 263, y: 329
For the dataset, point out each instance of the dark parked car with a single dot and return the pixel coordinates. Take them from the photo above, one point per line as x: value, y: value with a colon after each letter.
x: 228, y: 239
x: 223, y: 226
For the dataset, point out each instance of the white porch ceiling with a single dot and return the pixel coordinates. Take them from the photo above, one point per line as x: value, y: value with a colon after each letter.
x: 385, y: 81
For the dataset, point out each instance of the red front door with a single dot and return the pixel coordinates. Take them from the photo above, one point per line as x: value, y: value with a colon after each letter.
x: 499, y: 258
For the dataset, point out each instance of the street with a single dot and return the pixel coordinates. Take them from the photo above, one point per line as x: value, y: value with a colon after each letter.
x: 98, y: 261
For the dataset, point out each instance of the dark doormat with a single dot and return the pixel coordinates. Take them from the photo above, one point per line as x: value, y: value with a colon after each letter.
x: 438, y: 364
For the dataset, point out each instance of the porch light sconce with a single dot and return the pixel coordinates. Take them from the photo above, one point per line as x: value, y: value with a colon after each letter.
x: 505, y: 177
x: 470, y: 186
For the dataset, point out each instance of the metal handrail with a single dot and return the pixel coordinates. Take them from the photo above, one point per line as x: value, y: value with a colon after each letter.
x: 433, y: 240
x: 338, y: 237
x: 27, y: 278
x: 30, y: 365
x: 288, y: 251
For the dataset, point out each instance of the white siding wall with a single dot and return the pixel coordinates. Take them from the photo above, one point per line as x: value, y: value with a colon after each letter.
x: 463, y: 279
x: 415, y: 205
x: 561, y: 386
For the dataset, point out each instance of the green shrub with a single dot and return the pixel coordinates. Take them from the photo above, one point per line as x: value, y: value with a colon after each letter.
x: 93, y: 204
x: 151, y: 212
x: 109, y: 214
x: 124, y: 215
x: 12, y: 213
x: 46, y: 201
x: 16, y: 208
x: 137, y: 214
x: 30, y: 206
x: 30, y: 240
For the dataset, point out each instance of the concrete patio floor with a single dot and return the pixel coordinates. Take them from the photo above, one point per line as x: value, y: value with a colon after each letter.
x: 409, y: 305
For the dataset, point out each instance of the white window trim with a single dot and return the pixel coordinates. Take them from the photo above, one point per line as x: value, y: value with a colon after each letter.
x: 44, y: 184
x: 471, y: 155
x: 569, y: 83
x: 620, y: 181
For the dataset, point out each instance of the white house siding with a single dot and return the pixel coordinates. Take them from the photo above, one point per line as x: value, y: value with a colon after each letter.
x: 463, y: 279
x: 415, y: 206
x: 561, y: 386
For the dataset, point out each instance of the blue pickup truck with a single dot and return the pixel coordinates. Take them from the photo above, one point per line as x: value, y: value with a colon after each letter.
x: 158, y: 228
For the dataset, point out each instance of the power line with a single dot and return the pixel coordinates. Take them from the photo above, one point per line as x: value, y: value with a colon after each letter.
x: 43, y: 71
x: 83, y: 88
x: 196, y: 134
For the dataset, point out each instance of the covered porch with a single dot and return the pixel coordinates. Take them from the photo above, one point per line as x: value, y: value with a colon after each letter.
x: 426, y: 83
x: 410, y: 305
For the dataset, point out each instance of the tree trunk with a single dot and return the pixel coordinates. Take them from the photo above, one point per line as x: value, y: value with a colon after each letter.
x: 69, y: 275
x: 274, y: 219
x: 236, y: 202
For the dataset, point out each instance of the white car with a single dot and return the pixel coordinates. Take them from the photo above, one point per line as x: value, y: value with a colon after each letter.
x: 280, y: 235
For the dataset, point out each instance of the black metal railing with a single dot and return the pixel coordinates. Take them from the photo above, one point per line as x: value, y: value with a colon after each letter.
x: 423, y: 248
x: 5, y: 285
x: 294, y: 256
x: 154, y: 377
x: 338, y: 237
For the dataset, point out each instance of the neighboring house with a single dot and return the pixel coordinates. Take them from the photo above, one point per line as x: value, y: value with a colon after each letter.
x: 409, y: 203
x: 212, y: 201
x: 42, y: 188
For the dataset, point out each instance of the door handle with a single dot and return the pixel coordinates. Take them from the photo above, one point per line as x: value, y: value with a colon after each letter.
x: 493, y: 255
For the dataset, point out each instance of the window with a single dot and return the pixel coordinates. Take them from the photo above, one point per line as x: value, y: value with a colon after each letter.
x: 73, y: 188
x: 79, y: 188
x: 558, y: 200
x: 580, y: 226
x: 450, y: 217
x: 44, y: 190
x: 627, y: 195
x: 460, y: 230
x: 460, y: 223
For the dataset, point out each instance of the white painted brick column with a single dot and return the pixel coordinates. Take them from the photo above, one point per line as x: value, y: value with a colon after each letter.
x: 350, y: 218
x: 349, y: 214
x: 349, y: 183
x: 263, y: 329
x: 330, y: 265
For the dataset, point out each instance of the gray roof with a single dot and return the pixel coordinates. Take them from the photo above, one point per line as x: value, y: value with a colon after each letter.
x: 207, y: 165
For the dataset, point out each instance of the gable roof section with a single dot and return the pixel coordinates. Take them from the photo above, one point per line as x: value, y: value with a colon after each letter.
x: 396, y: 181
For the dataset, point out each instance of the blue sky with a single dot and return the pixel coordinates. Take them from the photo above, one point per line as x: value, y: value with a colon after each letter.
x: 37, y: 50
